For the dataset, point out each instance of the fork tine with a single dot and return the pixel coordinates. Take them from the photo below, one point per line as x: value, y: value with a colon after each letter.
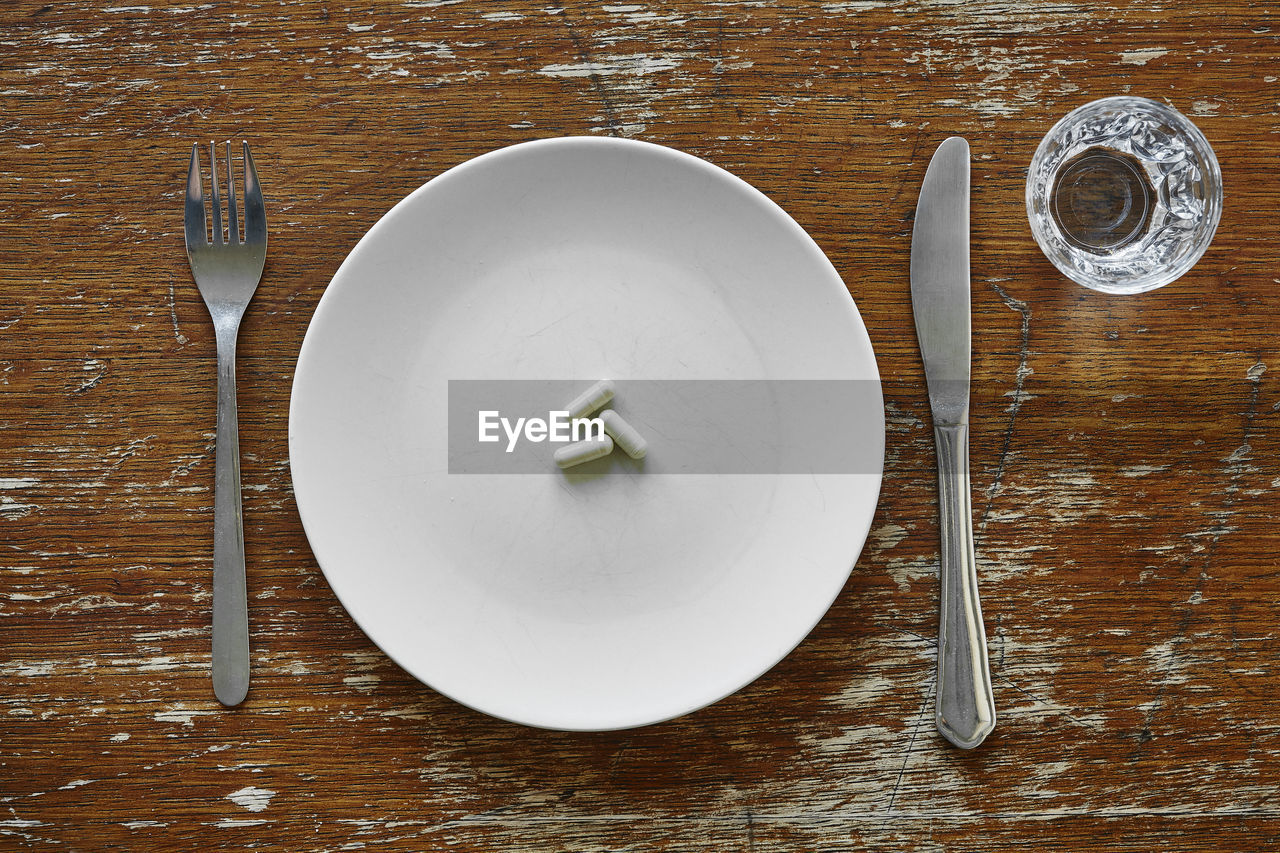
x: 216, y: 201
x: 197, y: 233
x: 255, y: 213
x: 233, y: 223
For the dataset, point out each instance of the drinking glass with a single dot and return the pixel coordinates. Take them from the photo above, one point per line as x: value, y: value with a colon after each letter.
x: 1124, y: 194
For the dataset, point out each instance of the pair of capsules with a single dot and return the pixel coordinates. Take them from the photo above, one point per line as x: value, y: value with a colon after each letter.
x: 616, y: 430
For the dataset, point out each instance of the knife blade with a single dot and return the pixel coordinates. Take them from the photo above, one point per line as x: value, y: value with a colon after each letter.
x: 940, y: 301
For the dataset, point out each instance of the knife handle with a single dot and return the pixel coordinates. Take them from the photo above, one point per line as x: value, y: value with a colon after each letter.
x: 966, y: 711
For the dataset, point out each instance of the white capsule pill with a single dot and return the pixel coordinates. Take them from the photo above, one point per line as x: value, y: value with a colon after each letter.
x: 591, y: 399
x: 583, y: 451
x: 624, y: 434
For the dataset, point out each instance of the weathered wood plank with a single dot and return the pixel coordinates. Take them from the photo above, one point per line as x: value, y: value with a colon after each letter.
x: 1123, y: 449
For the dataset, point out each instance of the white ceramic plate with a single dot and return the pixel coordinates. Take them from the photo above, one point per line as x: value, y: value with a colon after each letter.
x: 597, y: 603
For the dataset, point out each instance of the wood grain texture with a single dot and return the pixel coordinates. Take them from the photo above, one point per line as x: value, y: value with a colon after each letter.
x: 1124, y: 450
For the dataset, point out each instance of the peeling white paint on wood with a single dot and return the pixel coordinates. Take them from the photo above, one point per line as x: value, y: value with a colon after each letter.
x: 1141, y: 56
x: 239, y: 823
x: 251, y: 798
x: 634, y: 65
x: 183, y: 714
x: 18, y: 482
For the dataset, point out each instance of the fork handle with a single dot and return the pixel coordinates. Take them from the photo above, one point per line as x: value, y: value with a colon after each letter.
x: 230, y: 601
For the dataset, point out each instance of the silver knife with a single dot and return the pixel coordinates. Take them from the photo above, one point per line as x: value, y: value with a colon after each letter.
x: 965, y: 711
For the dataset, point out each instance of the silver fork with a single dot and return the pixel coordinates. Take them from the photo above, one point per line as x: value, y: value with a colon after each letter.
x: 227, y: 269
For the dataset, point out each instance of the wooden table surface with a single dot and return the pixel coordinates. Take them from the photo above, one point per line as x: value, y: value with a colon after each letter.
x: 1123, y: 448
